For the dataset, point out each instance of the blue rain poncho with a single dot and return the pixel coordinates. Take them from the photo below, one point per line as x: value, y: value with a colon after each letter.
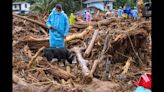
x: 128, y: 11
x: 60, y: 22
x: 135, y: 13
x: 120, y: 12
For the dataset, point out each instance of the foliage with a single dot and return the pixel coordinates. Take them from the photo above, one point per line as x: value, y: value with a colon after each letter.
x: 29, y: 1
x: 71, y: 6
x: 121, y: 3
x: 43, y: 6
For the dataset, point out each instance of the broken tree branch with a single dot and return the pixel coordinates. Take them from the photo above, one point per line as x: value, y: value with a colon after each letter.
x: 101, y: 57
x: 56, y: 71
x: 79, y: 35
x: 35, y: 56
x: 88, y: 50
x: 31, y: 20
x: 127, y: 65
x: 83, y: 64
x: 140, y: 61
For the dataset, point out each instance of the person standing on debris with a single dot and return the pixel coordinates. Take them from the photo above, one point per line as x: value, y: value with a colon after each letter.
x: 113, y: 12
x: 125, y: 12
x: 58, y: 25
x: 135, y: 13
x: 119, y: 12
x: 84, y: 15
x: 88, y: 16
x: 72, y: 19
x: 129, y: 11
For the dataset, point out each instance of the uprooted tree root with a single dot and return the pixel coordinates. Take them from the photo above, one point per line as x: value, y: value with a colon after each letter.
x: 116, y: 51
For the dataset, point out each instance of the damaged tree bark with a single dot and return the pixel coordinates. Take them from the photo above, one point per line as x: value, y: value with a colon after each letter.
x: 88, y: 50
x: 35, y: 56
x: 87, y: 78
x: 101, y: 22
x: 56, y: 71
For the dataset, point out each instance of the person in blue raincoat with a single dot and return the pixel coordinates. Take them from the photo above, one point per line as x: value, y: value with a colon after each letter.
x: 84, y: 15
x: 120, y: 12
x: 135, y: 13
x: 129, y: 11
x: 58, y: 25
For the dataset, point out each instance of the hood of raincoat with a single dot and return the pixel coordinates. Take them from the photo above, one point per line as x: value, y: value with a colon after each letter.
x: 55, y: 12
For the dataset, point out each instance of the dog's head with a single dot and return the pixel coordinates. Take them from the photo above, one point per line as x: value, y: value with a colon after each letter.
x: 48, y: 54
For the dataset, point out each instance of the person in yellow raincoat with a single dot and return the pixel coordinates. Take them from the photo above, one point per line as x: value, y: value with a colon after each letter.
x: 124, y: 13
x: 72, y: 19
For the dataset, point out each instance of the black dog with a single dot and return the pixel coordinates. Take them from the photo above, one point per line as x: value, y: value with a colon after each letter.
x: 58, y: 53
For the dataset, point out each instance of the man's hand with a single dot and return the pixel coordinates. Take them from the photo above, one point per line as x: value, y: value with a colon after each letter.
x: 52, y: 28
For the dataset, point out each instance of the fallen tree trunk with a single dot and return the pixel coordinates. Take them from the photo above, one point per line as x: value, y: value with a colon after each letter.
x: 31, y: 20
x: 88, y: 50
x: 87, y: 78
x: 79, y: 35
x: 101, y: 22
x: 56, y: 71
x: 35, y: 43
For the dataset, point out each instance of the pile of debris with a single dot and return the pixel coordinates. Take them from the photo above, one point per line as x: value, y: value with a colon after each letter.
x: 110, y: 51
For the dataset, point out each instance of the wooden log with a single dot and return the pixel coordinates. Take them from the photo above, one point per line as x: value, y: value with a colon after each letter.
x: 94, y: 65
x: 56, y: 71
x: 101, y: 22
x: 34, y: 30
x: 79, y: 35
x: 35, y: 43
x: 35, y: 56
x: 31, y: 20
x: 88, y: 50
x: 87, y: 78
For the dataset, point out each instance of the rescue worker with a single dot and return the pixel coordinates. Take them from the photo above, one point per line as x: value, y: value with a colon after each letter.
x: 84, y: 15
x: 120, y: 12
x: 88, y: 16
x: 135, y: 13
x: 58, y: 25
x: 125, y: 12
x: 72, y: 19
x: 129, y: 11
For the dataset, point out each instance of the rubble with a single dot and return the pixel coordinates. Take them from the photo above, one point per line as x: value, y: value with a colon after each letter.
x: 110, y: 50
